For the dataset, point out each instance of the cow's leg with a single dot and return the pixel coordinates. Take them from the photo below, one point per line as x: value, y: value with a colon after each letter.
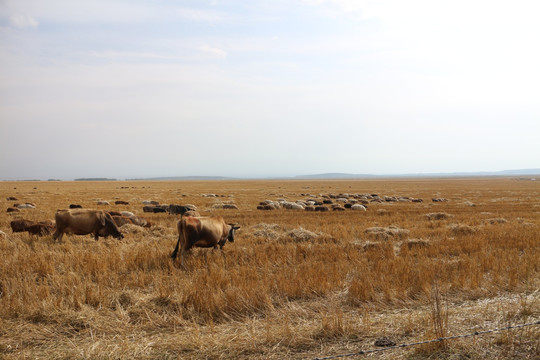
x: 183, y: 252
x: 58, y: 236
x: 182, y: 256
x: 175, y: 252
x: 96, y: 235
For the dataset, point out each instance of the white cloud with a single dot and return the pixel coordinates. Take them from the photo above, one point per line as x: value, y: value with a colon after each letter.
x: 23, y: 21
x: 199, y: 15
x: 104, y: 11
x: 215, y: 52
x: 126, y: 55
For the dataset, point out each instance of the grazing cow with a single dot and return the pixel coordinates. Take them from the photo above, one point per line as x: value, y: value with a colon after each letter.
x: 121, y: 220
x: 103, y: 202
x: 75, y: 206
x: 321, y: 208
x: 10, y: 209
x: 41, y: 229
x: 159, y: 209
x: 121, y: 202
x: 20, y: 225
x: 83, y: 222
x: 148, y: 209
x: 127, y: 213
x: 202, y: 232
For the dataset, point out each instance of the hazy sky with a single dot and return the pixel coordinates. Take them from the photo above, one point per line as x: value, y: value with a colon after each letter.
x: 118, y: 88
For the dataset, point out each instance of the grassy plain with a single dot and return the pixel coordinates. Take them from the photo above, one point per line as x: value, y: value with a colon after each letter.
x: 295, y: 284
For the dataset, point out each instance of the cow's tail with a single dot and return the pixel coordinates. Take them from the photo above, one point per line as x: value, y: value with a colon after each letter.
x: 180, y: 226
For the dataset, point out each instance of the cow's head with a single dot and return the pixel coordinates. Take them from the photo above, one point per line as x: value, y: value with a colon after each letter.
x: 112, y: 228
x: 230, y: 236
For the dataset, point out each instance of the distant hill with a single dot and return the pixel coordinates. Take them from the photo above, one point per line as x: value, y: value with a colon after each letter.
x: 519, y: 172
x: 179, y: 178
x: 322, y: 176
x: 335, y: 176
x: 95, y: 179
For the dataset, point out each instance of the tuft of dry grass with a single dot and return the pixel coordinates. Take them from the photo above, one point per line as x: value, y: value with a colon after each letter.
x: 438, y: 216
x: 385, y: 233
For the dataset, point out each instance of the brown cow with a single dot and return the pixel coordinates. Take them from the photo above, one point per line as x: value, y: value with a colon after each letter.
x: 21, y: 225
x: 202, y: 232
x: 85, y: 221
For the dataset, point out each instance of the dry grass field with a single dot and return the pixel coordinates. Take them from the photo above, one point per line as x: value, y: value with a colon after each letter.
x: 295, y: 284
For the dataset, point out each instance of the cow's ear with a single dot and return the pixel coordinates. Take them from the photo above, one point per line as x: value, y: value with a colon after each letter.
x: 102, y: 217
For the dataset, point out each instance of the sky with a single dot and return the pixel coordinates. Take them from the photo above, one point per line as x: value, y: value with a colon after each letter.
x: 130, y: 89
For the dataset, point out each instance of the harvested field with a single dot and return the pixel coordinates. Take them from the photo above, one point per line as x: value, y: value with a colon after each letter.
x: 294, y: 284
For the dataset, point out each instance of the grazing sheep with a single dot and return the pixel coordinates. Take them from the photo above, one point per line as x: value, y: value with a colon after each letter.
x: 358, y: 207
x: 192, y: 213
x: 26, y: 206
x: 122, y: 220
x: 140, y: 221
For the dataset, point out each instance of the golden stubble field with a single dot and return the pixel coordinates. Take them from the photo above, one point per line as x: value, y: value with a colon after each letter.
x: 295, y: 284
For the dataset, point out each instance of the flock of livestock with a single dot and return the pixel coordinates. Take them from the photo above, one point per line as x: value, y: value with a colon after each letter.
x: 336, y: 202
x: 193, y: 230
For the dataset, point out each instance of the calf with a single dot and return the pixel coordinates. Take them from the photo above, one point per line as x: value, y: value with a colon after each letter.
x: 41, y: 229
x: 20, y: 225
